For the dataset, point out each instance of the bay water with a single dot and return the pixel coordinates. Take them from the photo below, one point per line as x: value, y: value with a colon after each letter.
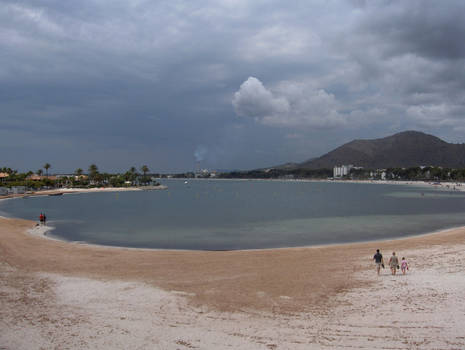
x: 230, y: 214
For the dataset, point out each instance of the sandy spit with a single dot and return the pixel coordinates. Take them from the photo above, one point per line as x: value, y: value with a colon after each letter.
x: 61, y: 295
x: 82, y: 190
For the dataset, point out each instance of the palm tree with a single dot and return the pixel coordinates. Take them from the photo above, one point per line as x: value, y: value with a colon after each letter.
x: 133, y: 173
x: 145, y: 169
x: 78, y: 174
x: 93, y: 171
x: 39, y: 172
x: 46, y: 167
x: 9, y: 171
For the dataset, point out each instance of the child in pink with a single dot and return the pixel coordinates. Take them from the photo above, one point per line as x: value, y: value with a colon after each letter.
x: 404, y: 266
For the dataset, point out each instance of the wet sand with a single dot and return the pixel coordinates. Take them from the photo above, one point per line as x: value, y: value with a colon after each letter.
x: 65, y: 295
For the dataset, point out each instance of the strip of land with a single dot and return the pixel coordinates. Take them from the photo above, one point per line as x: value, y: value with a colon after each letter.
x: 58, y: 191
x: 55, y: 294
x: 447, y: 186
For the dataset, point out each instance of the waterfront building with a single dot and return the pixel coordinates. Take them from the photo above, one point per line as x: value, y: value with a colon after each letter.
x: 343, y: 170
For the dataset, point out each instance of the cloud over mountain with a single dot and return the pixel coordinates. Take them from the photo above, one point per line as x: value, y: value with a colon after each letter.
x: 83, y: 77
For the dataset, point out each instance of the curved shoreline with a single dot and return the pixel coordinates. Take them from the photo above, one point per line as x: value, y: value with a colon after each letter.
x: 81, y: 259
x: 318, y: 297
x: 43, y: 234
x: 441, y: 187
x: 15, y: 233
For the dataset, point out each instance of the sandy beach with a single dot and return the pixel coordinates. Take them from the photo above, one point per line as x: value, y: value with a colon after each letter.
x: 62, y: 295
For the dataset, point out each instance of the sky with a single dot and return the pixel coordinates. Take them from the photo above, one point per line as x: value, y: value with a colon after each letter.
x: 222, y: 84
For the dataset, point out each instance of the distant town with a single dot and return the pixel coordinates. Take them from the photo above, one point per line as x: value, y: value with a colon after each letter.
x: 350, y: 172
x: 14, y: 182
x: 385, y: 159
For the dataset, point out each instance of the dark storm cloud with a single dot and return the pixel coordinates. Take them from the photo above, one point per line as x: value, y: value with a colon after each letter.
x: 429, y: 29
x: 247, y: 83
x: 415, y: 57
x: 397, y: 65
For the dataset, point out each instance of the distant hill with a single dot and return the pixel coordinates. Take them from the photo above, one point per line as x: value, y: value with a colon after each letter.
x: 405, y: 149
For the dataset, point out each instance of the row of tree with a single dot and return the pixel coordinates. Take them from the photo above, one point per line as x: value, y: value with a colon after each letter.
x: 417, y: 174
x: 279, y: 174
x: 409, y: 174
x: 78, y: 179
x: 10, y: 171
x: 94, y: 177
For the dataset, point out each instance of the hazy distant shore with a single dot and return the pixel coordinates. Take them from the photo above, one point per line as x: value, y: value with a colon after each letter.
x: 445, y: 185
x: 449, y: 186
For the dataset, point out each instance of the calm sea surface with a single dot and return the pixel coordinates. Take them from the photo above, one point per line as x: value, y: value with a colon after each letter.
x: 220, y: 215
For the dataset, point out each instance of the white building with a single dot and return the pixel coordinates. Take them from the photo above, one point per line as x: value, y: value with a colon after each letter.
x: 343, y: 170
x: 379, y: 173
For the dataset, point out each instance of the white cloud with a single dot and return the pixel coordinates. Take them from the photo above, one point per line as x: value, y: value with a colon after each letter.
x: 254, y: 100
x: 289, y: 104
x: 278, y: 41
x: 436, y: 115
x: 36, y: 17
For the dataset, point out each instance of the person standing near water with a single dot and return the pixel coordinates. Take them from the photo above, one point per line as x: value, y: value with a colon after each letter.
x: 41, y: 218
x: 394, y: 263
x: 378, y: 258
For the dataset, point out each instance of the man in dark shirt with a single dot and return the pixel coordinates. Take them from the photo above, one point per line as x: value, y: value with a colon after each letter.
x: 378, y: 258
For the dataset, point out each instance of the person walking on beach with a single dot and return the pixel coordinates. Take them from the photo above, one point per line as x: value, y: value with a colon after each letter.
x: 404, y: 266
x: 378, y: 258
x: 394, y: 263
x: 45, y: 220
x: 41, y: 218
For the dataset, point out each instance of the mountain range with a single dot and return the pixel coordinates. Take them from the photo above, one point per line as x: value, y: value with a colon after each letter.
x: 402, y: 150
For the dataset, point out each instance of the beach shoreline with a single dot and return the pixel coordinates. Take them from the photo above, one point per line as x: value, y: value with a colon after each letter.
x: 319, y: 297
x: 217, y: 300
x: 41, y: 232
x: 441, y: 187
x: 446, y: 185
